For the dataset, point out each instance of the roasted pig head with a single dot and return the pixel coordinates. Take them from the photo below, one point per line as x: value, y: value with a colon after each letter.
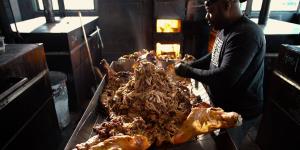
x: 88, y: 144
x: 204, y: 119
x: 123, y: 142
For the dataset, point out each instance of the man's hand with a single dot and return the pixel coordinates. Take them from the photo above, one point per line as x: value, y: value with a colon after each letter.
x: 182, y: 69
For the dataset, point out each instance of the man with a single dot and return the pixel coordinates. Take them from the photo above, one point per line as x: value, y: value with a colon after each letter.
x: 234, y: 72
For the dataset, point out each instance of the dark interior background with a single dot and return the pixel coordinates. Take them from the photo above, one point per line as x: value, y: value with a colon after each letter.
x: 126, y: 25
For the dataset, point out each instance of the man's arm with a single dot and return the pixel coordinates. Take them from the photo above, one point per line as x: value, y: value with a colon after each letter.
x: 239, y: 53
x: 202, y: 63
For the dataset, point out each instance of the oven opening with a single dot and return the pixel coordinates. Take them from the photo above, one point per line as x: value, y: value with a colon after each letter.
x: 168, y: 25
x: 168, y: 50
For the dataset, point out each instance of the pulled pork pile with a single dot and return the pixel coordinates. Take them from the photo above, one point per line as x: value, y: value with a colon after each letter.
x: 134, y: 56
x: 152, y: 105
x: 148, y: 104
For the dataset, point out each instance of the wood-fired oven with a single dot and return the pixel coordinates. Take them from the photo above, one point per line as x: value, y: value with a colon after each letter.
x: 168, y: 37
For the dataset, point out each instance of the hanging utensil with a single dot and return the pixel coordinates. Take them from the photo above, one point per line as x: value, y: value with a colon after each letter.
x: 87, y: 46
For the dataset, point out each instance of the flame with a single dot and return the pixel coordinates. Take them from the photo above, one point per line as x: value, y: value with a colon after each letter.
x: 168, y: 25
x: 172, y: 50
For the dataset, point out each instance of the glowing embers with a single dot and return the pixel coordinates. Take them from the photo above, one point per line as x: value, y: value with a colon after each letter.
x: 171, y: 51
x: 168, y: 25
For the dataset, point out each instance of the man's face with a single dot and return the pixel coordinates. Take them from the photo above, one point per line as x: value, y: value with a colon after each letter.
x: 215, y: 13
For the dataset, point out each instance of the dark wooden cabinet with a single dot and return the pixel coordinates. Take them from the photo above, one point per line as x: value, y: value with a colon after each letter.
x: 28, y: 116
x: 280, y: 123
x: 281, y: 118
x: 66, y: 52
x: 289, y: 61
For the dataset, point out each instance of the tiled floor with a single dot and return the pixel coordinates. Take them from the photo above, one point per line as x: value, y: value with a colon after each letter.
x: 67, y: 131
x: 249, y: 141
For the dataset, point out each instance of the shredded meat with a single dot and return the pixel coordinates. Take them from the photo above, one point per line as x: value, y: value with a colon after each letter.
x: 151, y: 105
x: 150, y: 102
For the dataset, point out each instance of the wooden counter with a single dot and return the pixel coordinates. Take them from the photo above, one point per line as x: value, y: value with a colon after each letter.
x: 64, y: 25
x: 66, y: 52
x: 28, y: 117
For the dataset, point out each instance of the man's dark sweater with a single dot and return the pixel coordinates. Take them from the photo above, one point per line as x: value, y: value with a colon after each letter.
x: 236, y: 69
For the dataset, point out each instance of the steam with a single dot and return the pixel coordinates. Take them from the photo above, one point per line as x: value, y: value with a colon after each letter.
x: 137, y: 29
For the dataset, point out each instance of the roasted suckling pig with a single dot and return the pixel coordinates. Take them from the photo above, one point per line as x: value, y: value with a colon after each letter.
x: 150, y: 105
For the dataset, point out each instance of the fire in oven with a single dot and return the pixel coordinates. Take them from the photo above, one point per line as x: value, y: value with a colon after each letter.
x: 168, y: 38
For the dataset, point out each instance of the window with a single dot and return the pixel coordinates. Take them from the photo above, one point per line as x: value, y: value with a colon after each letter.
x: 284, y: 5
x: 256, y: 5
x: 70, y: 4
x: 243, y: 6
x: 79, y: 4
x: 54, y: 4
x: 276, y: 5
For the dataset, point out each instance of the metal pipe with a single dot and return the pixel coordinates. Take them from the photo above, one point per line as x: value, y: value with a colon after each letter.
x: 87, y: 46
x: 264, y: 12
x: 61, y: 6
x: 100, y: 38
x: 5, y: 22
x: 248, y: 8
x: 48, y: 11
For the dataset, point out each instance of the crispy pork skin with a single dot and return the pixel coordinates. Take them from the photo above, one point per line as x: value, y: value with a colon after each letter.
x: 123, y: 142
x: 204, y: 119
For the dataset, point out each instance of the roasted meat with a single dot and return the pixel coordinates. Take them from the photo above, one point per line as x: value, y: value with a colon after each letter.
x: 162, y: 110
x: 89, y: 143
x: 123, y: 142
x: 188, y: 58
x: 204, y: 119
x: 150, y: 105
x: 114, y: 82
x: 134, y: 56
